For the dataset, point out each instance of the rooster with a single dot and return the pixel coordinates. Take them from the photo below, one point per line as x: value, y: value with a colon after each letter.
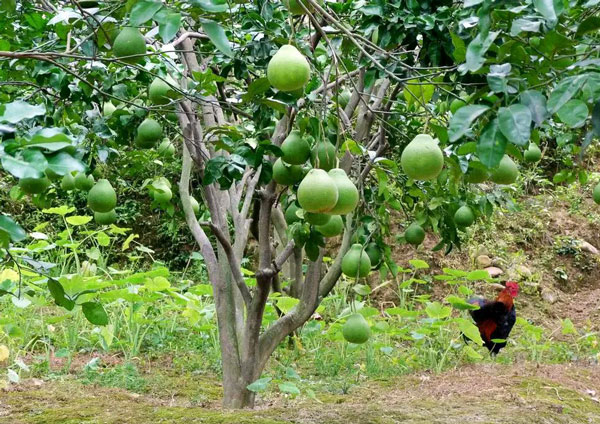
x: 496, y: 318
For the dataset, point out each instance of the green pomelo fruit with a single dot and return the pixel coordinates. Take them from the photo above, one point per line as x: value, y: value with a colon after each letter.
x: 102, y: 197
x: 333, y: 228
x: 506, y: 173
x: 356, y: 262
x: 344, y: 98
x: 286, y: 174
x: 596, y: 194
x: 290, y: 214
x: 414, y: 234
x: 422, y: 159
x: 317, y: 192
x: 296, y: 149
x: 34, y: 185
x: 347, y: 193
x: 360, y: 236
x: 130, y: 42
x: 105, y: 218
x: 464, y: 217
x: 533, y: 153
x: 163, y: 194
x: 356, y: 329
x: 456, y: 104
x: 317, y: 218
x: 374, y: 253
x: 324, y: 156
x: 476, y: 173
x: 148, y: 133
x: 108, y: 108
x: 195, y: 205
x: 160, y: 92
x: 68, y: 182
x: 83, y: 182
x: 166, y: 148
x: 295, y: 8
x: 288, y: 69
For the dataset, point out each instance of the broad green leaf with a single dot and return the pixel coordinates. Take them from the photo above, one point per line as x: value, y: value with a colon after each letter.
x: 259, y: 385
x: 95, y: 313
x: 588, y: 25
x: 10, y: 227
x: 546, y: 9
x: 460, y: 50
x: 515, y: 123
x: 288, y: 387
x: 479, y: 274
x: 437, y: 311
x: 19, y: 110
x: 574, y: 113
x: 286, y: 303
x: 361, y: 289
x: 418, y: 264
x: 103, y: 239
x: 477, y: 49
x: 61, y: 210
x: 169, y: 28
x: 157, y: 284
x: 470, y: 330
x: 128, y: 241
x: 216, y: 33
x: 417, y: 92
x: 256, y: 88
x: 460, y: 303
x: 564, y: 91
x: 536, y: 102
x: 463, y: 119
x: 21, y: 168
x: 143, y: 11
x: 51, y: 139
x: 568, y: 327
x: 78, y: 220
x: 472, y: 353
x: 491, y: 145
x: 62, y: 162
x: 215, y: 6
x: 58, y: 293
x: 524, y: 25
x: 469, y: 3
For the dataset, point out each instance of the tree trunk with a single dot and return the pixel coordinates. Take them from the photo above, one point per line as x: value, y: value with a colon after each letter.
x: 236, y: 395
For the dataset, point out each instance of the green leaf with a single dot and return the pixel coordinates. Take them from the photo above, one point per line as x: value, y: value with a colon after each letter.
x: 472, y: 353
x: 515, y: 123
x: 256, y: 88
x: 463, y: 119
x: 95, y: 313
x: 590, y: 24
x: 460, y: 50
x: 78, y: 220
x: 259, y: 385
x: 477, y: 49
x: 215, y: 6
x: 596, y: 119
x: 62, y: 163
x: 574, y: 113
x: 58, y: 293
x: 61, y: 210
x: 286, y: 304
x: 14, y: 230
x: 216, y: 33
x: 568, y: 327
x: 418, y: 93
x: 169, y: 28
x: 418, y: 264
x: 19, y: 110
x: 469, y: 3
x: 479, y: 274
x: 460, y: 303
x: 289, y: 387
x: 361, y: 289
x: 51, y: 139
x: 157, y: 284
x: 491, y: 145
x: 22, y: 168
x: 437, y: 311
x: 143, y: 11
x: 546, y: 9
x: 564, y: 91
x: 470, y: 330
x: 536, y: 102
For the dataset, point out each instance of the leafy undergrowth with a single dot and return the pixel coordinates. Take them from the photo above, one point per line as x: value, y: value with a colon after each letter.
x: 483, y: 393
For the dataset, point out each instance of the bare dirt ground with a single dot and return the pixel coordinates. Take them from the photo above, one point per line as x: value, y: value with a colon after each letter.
x: 483, y: 393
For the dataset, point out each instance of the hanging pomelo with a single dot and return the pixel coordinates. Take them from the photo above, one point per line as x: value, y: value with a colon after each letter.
x: 596, y: 194
x: 162, y: 92
x: 290, y: 214
x: 195, y: 205
x: 130, y: 42
x: 477, y: 172
x: 68, y: 182
x: 84, y: 182
x: 32, y: 185
x: 162, y: 192
x: 533, y: 153
x: 414, y: 234
x: 506, y: 173
x: 288, y: 69
x: 317, y: 192
x: 317, y: 218
x: 374, y: 253
x: 166, y: 148
x: 296, y: 149
x: 148, y: 133
x: 422, y: 159
x: 105, y: 218
x: 347, y: 193
x: 323, y: 156
x: 102, y: 197
x: 334, y: 227
x: 356, y: 262
x: 286, y: 174
x: 464, y: 217
x: 356, y: 329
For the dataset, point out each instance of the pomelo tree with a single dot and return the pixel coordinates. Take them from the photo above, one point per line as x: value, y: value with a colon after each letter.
x: 243, y: 89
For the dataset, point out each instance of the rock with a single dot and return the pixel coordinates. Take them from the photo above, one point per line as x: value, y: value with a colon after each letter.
x: 587, y: 247
x: 494, y: 271
x: 483, y: 261
x: 524, y: 271
x: 549, y: 296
